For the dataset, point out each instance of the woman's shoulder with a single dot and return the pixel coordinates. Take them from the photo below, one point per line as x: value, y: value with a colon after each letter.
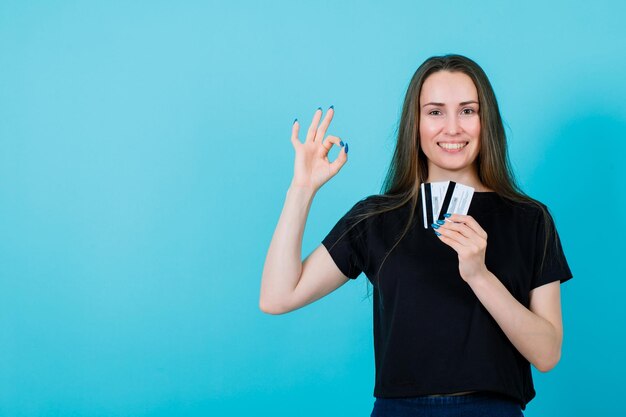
x: 528, y: 208
x: 382, y: 202
x: 375, y: 207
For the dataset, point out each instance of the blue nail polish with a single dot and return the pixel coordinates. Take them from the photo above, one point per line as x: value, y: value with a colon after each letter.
x: 332, y: 107
x: 440, y: 221
x: 435, y: 226
x: 340, y: 143
x: 447, y: 215
x: 346, y: 148
x: 295, y: 120
x: 319, y: 108
x: 438, y: 234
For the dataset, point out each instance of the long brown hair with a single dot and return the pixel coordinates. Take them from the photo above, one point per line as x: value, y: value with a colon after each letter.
x: 409, y: 164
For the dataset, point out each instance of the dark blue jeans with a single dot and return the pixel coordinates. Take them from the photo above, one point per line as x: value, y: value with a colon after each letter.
x: 480, y: 404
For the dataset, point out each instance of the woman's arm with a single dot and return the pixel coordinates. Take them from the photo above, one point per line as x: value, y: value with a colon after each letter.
x: 537, y: 332
x: 281, y: 286
x: 287, y: 283
x: 283, y: 264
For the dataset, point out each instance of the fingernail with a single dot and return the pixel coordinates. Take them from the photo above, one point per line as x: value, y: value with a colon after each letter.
x: 340, y: 143
x: 435, y: 226
x: 447, y: 215
x: 295, y: 120
x: 346, y: 148
x: 440, y: 221
x: 331, y: 107
x: 319, y: 108
x: 438, y: 234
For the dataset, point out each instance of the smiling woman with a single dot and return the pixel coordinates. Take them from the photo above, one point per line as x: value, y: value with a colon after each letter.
x: 461, y: 313
x: 450, y: 127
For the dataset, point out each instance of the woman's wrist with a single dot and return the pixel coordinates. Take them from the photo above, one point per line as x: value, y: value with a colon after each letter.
x: 304, y: 190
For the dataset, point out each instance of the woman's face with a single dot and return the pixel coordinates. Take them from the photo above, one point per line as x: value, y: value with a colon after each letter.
x: 449, y: 124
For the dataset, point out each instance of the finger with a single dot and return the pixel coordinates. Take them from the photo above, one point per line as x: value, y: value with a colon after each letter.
x: 341, y: 159
x: 295, y: 128
x: 463, y: 247
x: 454, y: 235
x: 451, y: 242
x: 327, y: 144
x: 462, y: 228
x: 321, y: 130
x: 470, y: 222
x: 310, y: 136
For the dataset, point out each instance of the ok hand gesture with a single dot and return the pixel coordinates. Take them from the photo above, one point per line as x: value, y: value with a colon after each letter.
x: 312, y: 168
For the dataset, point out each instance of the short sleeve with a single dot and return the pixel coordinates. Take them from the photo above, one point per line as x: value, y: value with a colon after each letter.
x: 346, y: 242
x: 554, y: 266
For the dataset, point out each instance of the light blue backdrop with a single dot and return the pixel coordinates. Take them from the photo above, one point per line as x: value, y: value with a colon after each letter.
x: 144, y: 160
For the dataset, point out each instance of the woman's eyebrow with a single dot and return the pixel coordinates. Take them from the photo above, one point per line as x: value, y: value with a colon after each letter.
x: 463, y: 103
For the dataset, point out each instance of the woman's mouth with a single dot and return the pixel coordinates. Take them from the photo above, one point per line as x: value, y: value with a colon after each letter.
x: 452, y: 147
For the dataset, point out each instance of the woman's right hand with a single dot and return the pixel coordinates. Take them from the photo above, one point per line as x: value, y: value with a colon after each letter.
x: 312, y: 168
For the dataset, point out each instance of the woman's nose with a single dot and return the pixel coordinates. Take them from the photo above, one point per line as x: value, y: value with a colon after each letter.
x: 452, y: 126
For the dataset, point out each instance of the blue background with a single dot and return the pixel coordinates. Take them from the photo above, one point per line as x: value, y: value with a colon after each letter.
x: 144, y: 160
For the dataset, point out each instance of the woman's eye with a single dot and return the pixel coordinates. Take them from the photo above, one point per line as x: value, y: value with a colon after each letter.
x: 468, y: 111
x: 435, y: 112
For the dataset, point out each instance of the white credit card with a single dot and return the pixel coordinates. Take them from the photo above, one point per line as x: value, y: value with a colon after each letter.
x: 438, y: 191
x: 439, y: 198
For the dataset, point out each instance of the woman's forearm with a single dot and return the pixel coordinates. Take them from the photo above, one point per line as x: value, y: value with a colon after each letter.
x: 283, y: 263
x: 533, y: 336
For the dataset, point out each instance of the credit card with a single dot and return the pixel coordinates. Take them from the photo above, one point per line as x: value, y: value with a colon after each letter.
x: 457, y: 200
x: 439, y: 190
x: 439, y: 198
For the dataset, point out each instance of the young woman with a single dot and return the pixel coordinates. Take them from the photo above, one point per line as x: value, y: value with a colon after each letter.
x: 462, y: 308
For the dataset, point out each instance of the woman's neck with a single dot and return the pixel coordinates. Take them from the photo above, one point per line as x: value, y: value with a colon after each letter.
x: 466, y: 178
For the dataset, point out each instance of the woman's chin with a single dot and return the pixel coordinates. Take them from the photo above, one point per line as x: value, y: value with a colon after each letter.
x: 454, y: 167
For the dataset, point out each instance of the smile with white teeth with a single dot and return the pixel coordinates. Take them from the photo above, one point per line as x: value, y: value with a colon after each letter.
x: 446, y: 145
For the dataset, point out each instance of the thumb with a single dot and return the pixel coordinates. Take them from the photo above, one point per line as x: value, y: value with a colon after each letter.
x: 341, y: 159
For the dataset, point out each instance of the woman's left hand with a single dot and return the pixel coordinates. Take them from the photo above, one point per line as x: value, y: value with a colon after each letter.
x: 463, y: 234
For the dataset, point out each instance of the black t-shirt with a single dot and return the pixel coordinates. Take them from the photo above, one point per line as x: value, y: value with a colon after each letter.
x: 432, y: 335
